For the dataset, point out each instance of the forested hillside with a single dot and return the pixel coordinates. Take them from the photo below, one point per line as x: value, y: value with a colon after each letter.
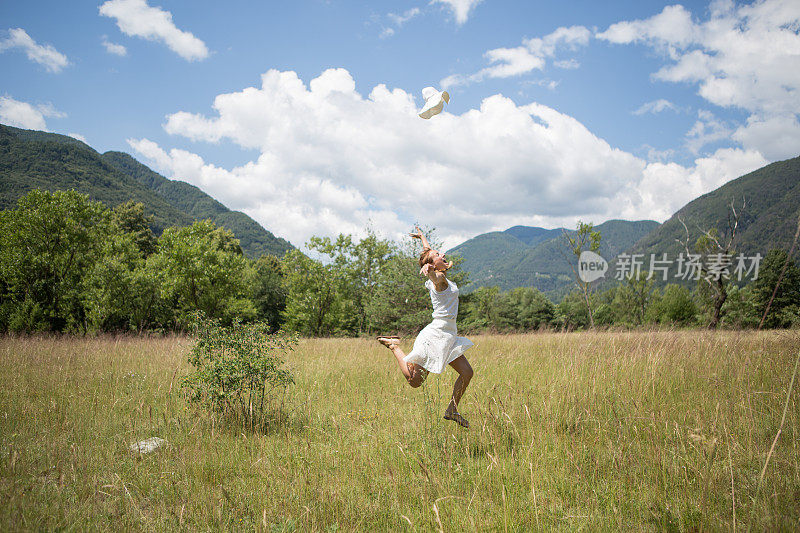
x: 254, y: 239
x: 536, y: 257
x: 40, y: 160
x: 766, y: 200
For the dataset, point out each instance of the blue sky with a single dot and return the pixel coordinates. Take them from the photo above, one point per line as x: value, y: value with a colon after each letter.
x: 303, y: 114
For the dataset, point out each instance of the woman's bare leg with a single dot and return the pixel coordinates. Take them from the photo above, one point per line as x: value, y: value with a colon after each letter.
x: 465, y: 373
x: 414, y: 374
x: 399, y: 355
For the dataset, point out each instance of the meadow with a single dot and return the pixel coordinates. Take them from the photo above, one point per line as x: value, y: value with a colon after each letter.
x: 644, y: 430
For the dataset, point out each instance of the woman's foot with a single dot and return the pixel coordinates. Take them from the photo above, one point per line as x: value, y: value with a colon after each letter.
x: 457, y: 418
x: 390, y: 341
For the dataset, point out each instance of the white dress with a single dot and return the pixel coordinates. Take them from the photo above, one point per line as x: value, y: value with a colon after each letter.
x: 438, y: 344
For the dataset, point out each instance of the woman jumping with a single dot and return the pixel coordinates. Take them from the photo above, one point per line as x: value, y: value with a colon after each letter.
x: 438, y: 344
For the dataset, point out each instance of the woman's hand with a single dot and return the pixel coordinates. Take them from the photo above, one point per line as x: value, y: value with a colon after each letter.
x: 427, y: 267
x: 419, y: 235
x: 441, y: 266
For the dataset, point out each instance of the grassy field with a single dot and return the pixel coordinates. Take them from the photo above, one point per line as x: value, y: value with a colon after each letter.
x: 582, y: 431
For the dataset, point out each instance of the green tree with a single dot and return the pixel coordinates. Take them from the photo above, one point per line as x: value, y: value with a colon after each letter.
x: 150, y: 308
x: 585, y: 238
x: 312, y: 303
x: 202, y: 269
x: 130, y: 218
x: 269, y: 290
x: 572, y: 311
x: 676, y: 306
x: 714, y: 280
x: 48, y: 243
x: 524, y: 309
x: 109, y: 284
x: 741, y: 308
x: 632, y: 300
x: 606, y: 311
x: 356, y: 267
x: 786, y: 303
x: 398, y: 301
x: 480, y: 308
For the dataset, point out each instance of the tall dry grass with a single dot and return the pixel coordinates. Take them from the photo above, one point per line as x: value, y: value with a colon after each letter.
x: 660, y: 430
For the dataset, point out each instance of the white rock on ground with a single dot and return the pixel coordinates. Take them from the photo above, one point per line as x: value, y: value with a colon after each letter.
x: 147, y: 445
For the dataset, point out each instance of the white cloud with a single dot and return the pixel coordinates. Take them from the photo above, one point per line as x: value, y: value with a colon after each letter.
x: 459, y: 8
x: 656, y: 106
x: 666, y: 187
x: 563, y: 37
x: 24, y: 115
x: 330, y: 159
x: 567, y: 64
x: 78, y: 136
x: 673, y: 26
x: 46, y: 55
x: 777, y: 137
x: 399, y: 20
x: 745, y: 57
x: 508, y: 62
x: 114, y: 48
x: 706, y: 130
x: 659, y: 156
x: 136, y: 18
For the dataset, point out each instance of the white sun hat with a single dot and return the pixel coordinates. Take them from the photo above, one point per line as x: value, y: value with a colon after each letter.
x: 434, y: 102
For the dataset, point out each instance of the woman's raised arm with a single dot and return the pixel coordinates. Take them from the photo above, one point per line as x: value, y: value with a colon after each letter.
x: 419, y: 235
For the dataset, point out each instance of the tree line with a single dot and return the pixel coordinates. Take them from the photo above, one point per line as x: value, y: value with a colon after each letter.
x: 69, y: 264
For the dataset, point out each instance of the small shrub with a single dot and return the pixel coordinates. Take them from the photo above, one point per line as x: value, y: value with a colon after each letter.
x: 238, y: 369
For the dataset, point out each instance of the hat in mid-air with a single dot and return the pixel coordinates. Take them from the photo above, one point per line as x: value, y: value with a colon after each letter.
x: 434, y: 102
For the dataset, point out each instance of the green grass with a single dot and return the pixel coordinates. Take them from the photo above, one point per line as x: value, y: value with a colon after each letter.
x: 592, y: 431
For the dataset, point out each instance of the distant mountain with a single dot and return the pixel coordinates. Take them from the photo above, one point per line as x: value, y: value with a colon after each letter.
x: 767, y: 202
x: 771, y: 197
x: 255, y: 240
x: 537, y: 257
x: 531, y: 235
x: 35, y: 159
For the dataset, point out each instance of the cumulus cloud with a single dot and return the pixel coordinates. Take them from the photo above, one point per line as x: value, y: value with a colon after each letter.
x: 531, y: 55
x: 656, y: 106
x: 672, y: 27
x: 114, y: 48
x: 776, y: 137
x: 330, y: 159
x: 78, y: 136
x: 46, y: 55
x: 136, y: 18
x: 24, y: 115
x: 745, y: 57
x: 666, y: 187
x: 459, y: 8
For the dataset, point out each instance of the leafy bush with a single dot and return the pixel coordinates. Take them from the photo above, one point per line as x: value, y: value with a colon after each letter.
x: 238, y: 370
x: 571, y: 312
x: 787, y: 296
x: 676, y: 306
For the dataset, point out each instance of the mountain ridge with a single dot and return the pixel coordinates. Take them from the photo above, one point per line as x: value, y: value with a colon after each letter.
x: 503, y: 259
x: 31, y: 159
x: 767, y: 202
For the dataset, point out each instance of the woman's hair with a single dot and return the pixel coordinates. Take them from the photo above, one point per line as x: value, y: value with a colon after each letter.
x: 425, y: 257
